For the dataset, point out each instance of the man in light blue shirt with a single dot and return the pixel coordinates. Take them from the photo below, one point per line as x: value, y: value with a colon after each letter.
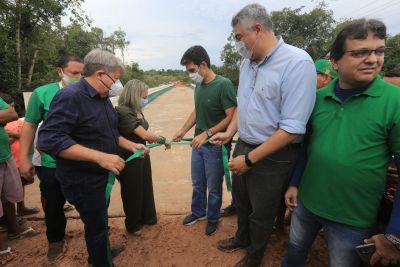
x: 276, y: 95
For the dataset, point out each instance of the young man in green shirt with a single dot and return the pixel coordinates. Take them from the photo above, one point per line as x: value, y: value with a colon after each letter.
x: 69, y: 69
x: 353, y: 132
x: 215, y: 103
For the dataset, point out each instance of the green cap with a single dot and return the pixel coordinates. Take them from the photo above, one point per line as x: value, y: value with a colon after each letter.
x: 325, y: 66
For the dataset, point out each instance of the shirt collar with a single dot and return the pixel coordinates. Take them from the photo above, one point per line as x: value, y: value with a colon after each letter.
x: 89, y: 89
x: 269, y: 55
x: 374, y: 89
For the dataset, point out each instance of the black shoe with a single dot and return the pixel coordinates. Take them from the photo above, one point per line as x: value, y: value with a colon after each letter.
x: 229, y: 245
x: 228, y: 211
x: 211, y: 228
x: 56, y: 250
x: 191, y: 219
x: 246, y: 261
x: 115, y: 251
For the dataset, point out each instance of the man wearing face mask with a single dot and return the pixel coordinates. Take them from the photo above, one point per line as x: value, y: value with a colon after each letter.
x: 276, y: 95
x: 69, y: 69
x: 85, y: 140
x: 215, y: 103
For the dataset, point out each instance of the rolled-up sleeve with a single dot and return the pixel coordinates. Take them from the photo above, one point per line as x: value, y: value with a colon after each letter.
x: 298, y: 97
x: 54, y: 134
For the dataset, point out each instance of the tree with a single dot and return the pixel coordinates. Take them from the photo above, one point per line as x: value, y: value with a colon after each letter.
x: 310, y: 31
x: 231, y: 62
x: 392, y: 55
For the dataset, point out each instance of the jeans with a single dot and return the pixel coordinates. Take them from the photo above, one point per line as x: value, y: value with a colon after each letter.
x: 91, y: 204
x: 340, y: 239
x: 50, y: 190
x: 257, y: 195
x: 207, y: 173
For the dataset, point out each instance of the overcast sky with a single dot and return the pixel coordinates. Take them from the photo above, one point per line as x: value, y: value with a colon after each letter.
x: 160, y: 31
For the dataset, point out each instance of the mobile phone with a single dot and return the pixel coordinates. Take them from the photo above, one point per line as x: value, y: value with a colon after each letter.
x: 365, y: 251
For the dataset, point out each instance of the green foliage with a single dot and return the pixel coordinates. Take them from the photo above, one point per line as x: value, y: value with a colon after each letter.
x: 392, y: 56
x: 311, y: 31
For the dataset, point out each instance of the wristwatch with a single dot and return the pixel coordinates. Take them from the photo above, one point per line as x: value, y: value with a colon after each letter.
x: 393, y: 239
x: 209, y: 133
x: 247, y: 160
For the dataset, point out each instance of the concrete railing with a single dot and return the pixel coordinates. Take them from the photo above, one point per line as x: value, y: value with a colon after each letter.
x: 153, y: 93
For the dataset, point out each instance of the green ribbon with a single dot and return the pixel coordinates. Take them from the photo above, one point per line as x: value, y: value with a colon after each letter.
x: 185, y: 141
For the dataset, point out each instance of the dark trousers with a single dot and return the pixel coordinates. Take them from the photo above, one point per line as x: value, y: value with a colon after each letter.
x: 54, y: 207
x: 258, y: 194
x: 137, y: 194
x: 92, y: 208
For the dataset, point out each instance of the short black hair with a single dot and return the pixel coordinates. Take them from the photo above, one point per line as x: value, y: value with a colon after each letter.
x: 7, y: 98
x: 393, y: 71
x: 356, y: 30
x: 65, y: 59
x: 195, y: 54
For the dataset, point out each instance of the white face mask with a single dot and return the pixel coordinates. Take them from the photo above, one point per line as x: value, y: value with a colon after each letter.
x: 116, y: 89
x: 242, y: 50
x: 196, y: 77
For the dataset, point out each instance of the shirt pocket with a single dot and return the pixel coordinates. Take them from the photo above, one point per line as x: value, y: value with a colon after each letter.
x: 267, y: 92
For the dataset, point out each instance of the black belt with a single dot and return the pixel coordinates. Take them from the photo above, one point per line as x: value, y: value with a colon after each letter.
x: 291, y: 146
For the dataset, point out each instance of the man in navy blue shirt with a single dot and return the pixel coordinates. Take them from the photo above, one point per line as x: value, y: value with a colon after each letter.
x: 81, y: 133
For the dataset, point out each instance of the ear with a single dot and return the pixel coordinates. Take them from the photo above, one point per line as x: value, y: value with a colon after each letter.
x: 335, y: 64
x: 257, y: 27
x: 59, y: 72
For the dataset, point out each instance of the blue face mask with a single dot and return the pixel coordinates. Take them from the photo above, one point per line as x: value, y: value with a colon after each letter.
x: 143, y: 102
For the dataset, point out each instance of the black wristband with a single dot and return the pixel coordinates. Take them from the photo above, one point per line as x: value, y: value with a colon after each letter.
x: 247, y: 160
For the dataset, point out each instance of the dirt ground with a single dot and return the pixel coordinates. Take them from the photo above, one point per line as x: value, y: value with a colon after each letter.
x: 168, y: 243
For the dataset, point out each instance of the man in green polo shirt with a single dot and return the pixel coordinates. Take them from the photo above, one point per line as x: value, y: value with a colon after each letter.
x: 215, y: 103
x: 69, y: 69
x: 353, y: 131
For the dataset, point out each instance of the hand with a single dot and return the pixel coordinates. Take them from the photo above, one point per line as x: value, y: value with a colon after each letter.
x: 178, y: 136
x: 145, y: 149
x: 26, y: 169
x: 291, y: 197
x: 220, y: 138
x: 199, y: 140
x: 385, y: 251
x: 238, y: 165
x: 111, y: 162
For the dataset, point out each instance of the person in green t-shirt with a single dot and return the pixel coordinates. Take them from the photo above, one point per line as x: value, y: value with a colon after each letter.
x: 215, y: 103
x: 353, y: 132
x: 69, y: 69
x: 325, y: 72
x: 10, y: 186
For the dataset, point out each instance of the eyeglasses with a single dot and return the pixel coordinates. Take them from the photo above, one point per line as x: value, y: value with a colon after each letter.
x: 364, y: 52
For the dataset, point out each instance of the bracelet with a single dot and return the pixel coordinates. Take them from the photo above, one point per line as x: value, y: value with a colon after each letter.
x: 393, y: 239
x: 162, y: 140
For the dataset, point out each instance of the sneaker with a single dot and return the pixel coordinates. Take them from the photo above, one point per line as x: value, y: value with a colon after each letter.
x: 228, y: 211
x: 191, y: 219
x: 229, y: 245
x: 211, y: 228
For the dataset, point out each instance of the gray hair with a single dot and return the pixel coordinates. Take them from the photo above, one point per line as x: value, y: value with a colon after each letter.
x: 132, y: 94
x: 99, y: 59
x: 253, y: 13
